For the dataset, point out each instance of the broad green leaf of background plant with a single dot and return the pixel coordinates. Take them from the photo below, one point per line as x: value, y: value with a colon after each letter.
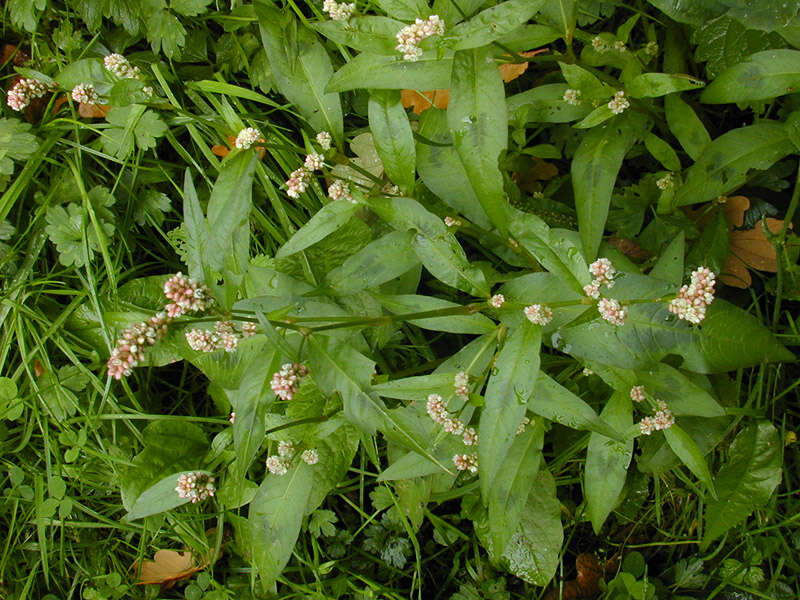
x: 654, y: 85
x: 410, y: 303
x: 746, y: 481
x: 167, y: 445
x: 160, y: 497
x: 513, y: 483
x: 594, y: 173
x: 545, y: 104
x: 394, y: 140
x: 477, y: 118
x: 510, y: 387
x: 492, y: 24
x: 662, y: 152
x: 376, y: 72
x: 685, y: 125
x: 533, y: 551
x: 607, y: 461
x: 760, y: 76
x: 372, y: 34
x: 276, y: 513
x: 301, y: 69
x: 405, y: 10
x: 669, y: 266
x: 327, y: 220
x: 727, y: 161
x: 686, y: 449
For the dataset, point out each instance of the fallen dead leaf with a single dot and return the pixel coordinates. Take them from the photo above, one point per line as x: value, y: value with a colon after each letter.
x: 421, y: 102
x: 510, y: 71
x: 629, y: 248
x: 169, y: 566
x: 586, y: 583
x: 223, y: 151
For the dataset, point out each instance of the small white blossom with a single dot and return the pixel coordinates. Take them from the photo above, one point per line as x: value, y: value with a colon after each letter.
x: 409, y: 37
x: 338, y: 11
x: 324, y: 140
x: 666, y: 182
x: 195, y: 486
x: 314, y: 162
x: 298, y: 182
x: 599, y: 44
x: 247, y: 137
x: 539, y: 314
x: 637, y: 393
x: 285, y: 448
x: 277, y: 465
x: 466, y: 462
x: 340, y: 189
x: 310, y: 457
x: 497, y: 300
x: 612, y: 311
x: 572, y: 97
x: 469, y: 436
x: 85, y: 93
x: 618, y: 103
x: 461, y: 384
x: 121, y: 67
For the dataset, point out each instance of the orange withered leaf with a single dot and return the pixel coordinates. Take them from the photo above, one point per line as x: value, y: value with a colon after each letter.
x: 420, y: 102
x: 167, y: 567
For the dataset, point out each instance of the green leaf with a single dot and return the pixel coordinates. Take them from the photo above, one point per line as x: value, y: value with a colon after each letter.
x: 327, y: 220
x: 478, y: 121
x: 165, y: 32
x: 148, y: 129
x: 683, y: 396
x: 545, y: 104
x: 376, y: 35
x: 168, y: 445
x: 557, y: 403
x: 375, y: 72
x: 196, y: 226
x: 384, y: 259
x: 727, y: 161
x: 607, y: 461
x: 394, y: 140
x: 275, y: 516
x: 66, y: 229
x: 85, y: 70
x: 669, y: 266
x: 731, y: 338
x: 492, y: 23
x: 512, y: 485
x: 405, y: 10
x: 409, y: 303
x: 684, y: 446
x: 761, y: 76
x: 746, y: 481
x: 160, y: 497
x: 724, y: 42
x: 441, y: 169
x: 510, y: 387
x: 662, y: 152
x: 580, y: 79
x: 228, y: 214
x: 446, y: 260
x: 686, y: 126
x: 414, y: 388
x: 594, y: 173
x: 654, y: 85
x: 301, y: 68
x: 189, y: 8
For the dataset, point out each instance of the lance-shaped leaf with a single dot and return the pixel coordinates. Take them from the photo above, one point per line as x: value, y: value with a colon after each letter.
x: 594, y: 173
x: 301, y: 68
x: 196, y: 226
x: 394, y: 140
x: 160, y: 497
x: 746, y: 481
x: 376, y: 72
x: 760, y: 76
x: 726, y: 162
x: 273, y: 524
x: 607, y: 461
x: 510, y: 387
x: 479, y: 123
x: 405, y: 10
x: 686, y: 449
x: 411, y: 303
x: 377, y: 35
x: 492, y: 24
x: 686, y: 126
x: 510, y: 489
x: 327, y: 220
x: 653, y: 85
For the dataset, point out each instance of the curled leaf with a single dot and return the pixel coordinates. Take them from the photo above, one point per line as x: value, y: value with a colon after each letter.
x: 169, y: 566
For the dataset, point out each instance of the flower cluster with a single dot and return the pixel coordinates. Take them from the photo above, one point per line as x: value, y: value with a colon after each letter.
x: 286, y: 381
x: 195, y: 486
x: 523, y: 425
x: 452, y: 222
x: 337, y: 11
x: 340, y: 189
x: 310, y: 457
x: 247, y: 137
x: 666, y: 182
x: 497, y: 300
x: 539, y: 314
x: 466, y: 462
x: 278, y: 465
x: 438, y: 413
x: 572, y: 97
x: 187, y: 295
x: 223, y: 337
x: 603, y: 272
x: 131, y: 345
x: 693, y: 299
x: 314, y: 162
x: 619, y: 103
x: 232, y: 418
x: 121, y: 67
x: 600, y: 45
x: 24, y: 91
x: 663, y: 419
x: 637, y: 393
x: 612, y: 311
x: 409, y: 37
x: 85, y: 93
x: 298, y: 182
x: 461, y: 383
x: 324, y: 140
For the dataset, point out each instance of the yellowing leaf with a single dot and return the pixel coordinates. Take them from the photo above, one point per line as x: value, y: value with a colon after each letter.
x: 167, y: 567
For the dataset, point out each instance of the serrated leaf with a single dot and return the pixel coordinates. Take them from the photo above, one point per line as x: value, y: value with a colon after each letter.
x: 686, y: 449
x: 377, y: 72
x: 165, y: 32
x: 746, y: 481
x: 594, y: 173
x: 275, y: 516
x: 492, y: 24
x: 607, y: 461
x: 479, y: 124
x: 760, y: 76
x: 148, y: 128
x: 301, y: 68
x: 510, y: 387
x: 394, y: 140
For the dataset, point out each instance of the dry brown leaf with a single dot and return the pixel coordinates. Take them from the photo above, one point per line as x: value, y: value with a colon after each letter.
x: 510, y: 71
x: 167, y: 567
x: 421, y: 102
x: 586, y: 583
x: 220, y: 150
x: 93, y: 111
x: 629, y: 248
x: 223, y: 151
